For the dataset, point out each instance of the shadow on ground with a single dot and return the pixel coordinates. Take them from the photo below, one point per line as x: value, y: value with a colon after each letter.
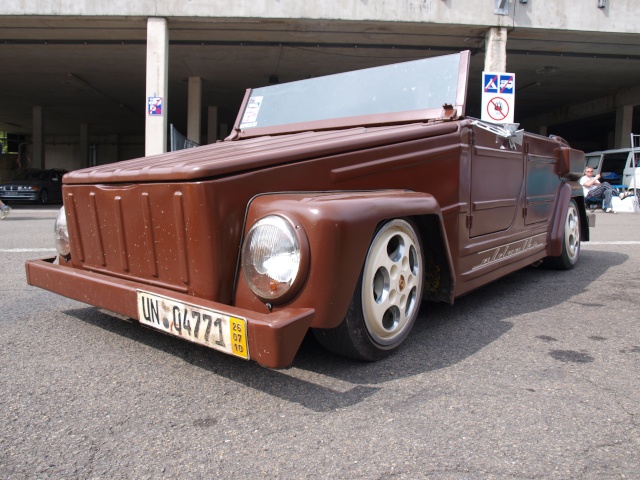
x: 443, y: 336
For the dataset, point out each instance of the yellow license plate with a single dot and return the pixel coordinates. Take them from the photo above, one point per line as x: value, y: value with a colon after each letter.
x: 191, y: 322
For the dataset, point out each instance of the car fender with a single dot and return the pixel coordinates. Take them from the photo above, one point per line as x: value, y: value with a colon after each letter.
x: 339, y: 227
x: 556, y: 233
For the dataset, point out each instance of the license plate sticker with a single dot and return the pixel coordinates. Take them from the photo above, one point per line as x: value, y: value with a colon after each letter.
x: 191, y: 322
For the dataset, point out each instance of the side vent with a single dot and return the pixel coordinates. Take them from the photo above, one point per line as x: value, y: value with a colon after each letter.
x: 181, y: 236
x: 124, y: 255
x: 152, y: 254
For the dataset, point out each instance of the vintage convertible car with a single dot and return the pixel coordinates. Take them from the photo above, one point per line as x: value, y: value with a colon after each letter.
x: 337, y: 204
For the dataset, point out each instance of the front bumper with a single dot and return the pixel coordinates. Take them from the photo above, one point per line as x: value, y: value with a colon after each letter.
x: 273, y: 338
x: 23, y: 196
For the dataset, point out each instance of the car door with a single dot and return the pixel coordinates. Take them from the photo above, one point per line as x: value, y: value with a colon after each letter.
x: 497, y: 175
x: 542, y: 180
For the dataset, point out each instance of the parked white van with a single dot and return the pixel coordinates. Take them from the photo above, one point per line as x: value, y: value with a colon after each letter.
x: 618, y: 167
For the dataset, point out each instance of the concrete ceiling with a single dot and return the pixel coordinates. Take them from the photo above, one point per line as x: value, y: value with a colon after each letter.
x: 93, y: 71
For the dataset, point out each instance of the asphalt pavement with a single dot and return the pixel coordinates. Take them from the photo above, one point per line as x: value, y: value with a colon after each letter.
x: 535, y: 376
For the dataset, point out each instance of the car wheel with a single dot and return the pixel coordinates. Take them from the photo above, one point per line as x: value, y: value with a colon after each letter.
x: 43, y: 198
x: 570, y: 242
x: 387, y: 298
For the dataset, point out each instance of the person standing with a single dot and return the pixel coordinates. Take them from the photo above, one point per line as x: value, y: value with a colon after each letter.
x: 595, y: 190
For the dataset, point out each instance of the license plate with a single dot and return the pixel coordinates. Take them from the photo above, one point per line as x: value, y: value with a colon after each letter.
x: 194, y: 323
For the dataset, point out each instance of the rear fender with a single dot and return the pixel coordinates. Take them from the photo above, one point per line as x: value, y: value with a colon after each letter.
x: 339, y: 227
x: 556, y: 235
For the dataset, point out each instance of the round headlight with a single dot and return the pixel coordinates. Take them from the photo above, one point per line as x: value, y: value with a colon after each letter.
x: 274, y: 258
x: 62, y: 234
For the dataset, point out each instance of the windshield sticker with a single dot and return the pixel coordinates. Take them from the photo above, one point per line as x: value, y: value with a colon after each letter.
x: 250, y: 117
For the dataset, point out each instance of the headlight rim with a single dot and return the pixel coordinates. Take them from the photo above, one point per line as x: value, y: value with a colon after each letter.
x: 62, y: 240
x: 303, y: 267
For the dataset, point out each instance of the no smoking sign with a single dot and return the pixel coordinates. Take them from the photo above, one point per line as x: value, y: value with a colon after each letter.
x: 498, y: 97
x: 498, y: 110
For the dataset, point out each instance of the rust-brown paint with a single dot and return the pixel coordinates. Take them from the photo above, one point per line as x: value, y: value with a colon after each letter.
x: 173, y: 224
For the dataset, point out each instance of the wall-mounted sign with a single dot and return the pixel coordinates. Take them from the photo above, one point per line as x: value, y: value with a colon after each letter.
x: 154, y: 106
x: 498, y: 97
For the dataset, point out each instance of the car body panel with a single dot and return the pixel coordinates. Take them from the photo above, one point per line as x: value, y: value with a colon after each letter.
x: 339, y: 226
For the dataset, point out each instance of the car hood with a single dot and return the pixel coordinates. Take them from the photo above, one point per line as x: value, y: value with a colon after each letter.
x: 231, y: 157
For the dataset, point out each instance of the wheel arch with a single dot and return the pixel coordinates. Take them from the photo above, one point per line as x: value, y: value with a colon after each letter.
x: 43, y: 196
x: 585, y: 223
x: 439, y: 282
x: 556, y: 234
x: 340, y: 227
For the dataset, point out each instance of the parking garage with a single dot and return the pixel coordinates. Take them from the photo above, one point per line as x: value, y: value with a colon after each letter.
x: 77, y: 80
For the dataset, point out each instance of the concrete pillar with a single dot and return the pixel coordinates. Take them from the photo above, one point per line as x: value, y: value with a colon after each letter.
x: 85, y: 159
x: 212, y: 125
x: 194, y: 113
x: 495, y: 57
x: 157, y: 86
x: 624, y: 120
x: 37, y: 153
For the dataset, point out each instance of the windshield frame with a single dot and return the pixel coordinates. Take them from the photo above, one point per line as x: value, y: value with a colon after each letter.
x: 444, y: 112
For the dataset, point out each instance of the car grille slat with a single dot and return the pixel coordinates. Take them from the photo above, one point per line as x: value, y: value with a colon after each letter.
x: 152, y: 255
x: 93, y: 211
x: 181, y: 236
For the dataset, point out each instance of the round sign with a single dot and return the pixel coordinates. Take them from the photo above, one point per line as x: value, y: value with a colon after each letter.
x: 498, y: 109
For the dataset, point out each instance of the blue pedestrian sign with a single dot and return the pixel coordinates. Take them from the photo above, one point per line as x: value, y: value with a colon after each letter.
x: 490, y: 82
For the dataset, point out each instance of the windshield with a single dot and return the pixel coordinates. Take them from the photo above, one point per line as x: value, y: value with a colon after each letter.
x: 415, y: 86
x: 593, y: 161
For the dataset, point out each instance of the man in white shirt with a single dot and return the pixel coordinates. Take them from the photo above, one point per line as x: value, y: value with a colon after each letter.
x: 595, y: 190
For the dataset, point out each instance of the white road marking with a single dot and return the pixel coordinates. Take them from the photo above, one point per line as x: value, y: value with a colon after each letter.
x: 29, y: 250
x: 629, y: 242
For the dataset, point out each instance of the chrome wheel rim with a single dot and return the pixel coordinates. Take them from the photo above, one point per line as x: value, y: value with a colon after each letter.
x: 392, y: 283
x: 572, y: 234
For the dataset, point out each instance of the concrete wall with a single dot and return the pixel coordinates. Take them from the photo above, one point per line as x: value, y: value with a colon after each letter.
x: 64, y: 151
x: 619, y: 16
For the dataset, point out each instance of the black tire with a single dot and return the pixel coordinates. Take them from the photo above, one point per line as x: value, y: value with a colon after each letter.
x: 43, y: 198
x: 387, y: 298
x: 570, y: 242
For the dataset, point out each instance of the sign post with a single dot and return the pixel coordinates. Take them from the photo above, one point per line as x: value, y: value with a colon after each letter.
x: 498, y: 97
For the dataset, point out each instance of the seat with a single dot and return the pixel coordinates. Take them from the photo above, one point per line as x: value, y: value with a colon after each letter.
x: 593, y: 203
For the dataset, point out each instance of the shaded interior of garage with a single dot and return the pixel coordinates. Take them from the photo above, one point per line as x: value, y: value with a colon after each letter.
x: 89, y: 74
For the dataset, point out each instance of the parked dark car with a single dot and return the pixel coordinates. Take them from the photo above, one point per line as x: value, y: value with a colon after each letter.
x: 34, y: 185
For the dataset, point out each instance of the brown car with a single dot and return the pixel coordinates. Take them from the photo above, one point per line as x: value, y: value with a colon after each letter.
x: 337, y: 204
